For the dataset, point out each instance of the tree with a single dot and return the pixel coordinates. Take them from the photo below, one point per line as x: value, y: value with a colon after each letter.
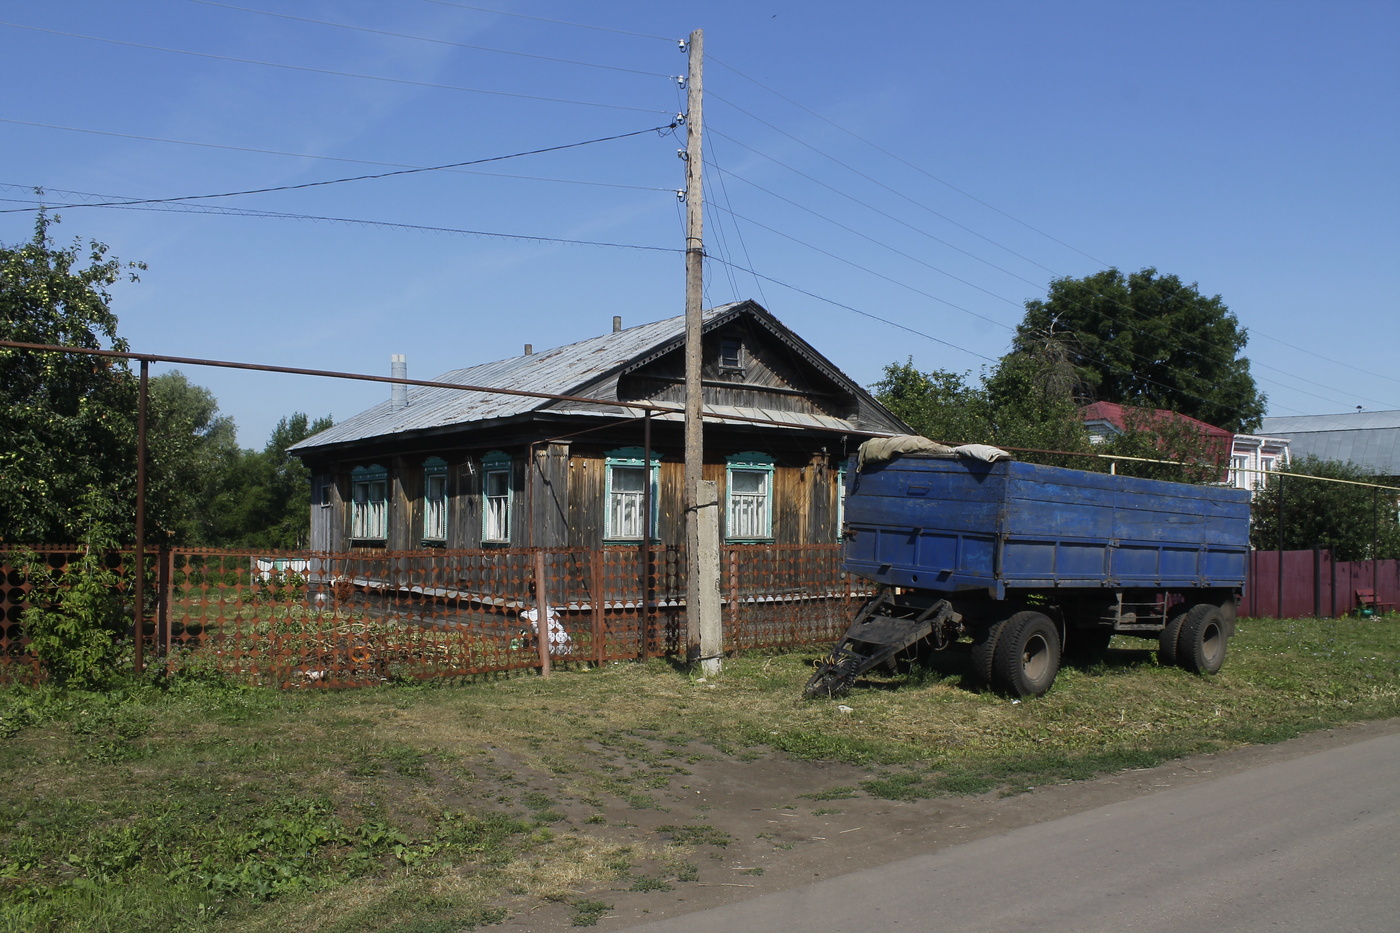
x: 939, y: 405
x: 1014, y: 406
x: 265, y: 497
x: 1149, y: 341
x: 66, y: 420
x: 1355, y: 522
x: 192, y: 449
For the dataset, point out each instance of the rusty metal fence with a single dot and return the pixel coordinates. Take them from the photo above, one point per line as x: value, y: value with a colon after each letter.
x: 293, y: 619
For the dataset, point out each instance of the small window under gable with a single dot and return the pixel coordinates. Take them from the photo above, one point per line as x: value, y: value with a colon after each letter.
x: 369, y: 503
x: 748, y: 513
x: 495, y: 498
x: 731, y: 354
x: 626, y: 486
x: 435, y: 499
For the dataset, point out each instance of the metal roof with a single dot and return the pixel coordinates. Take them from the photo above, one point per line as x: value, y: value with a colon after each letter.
x: 1369, y: 439
x: 560, y: 371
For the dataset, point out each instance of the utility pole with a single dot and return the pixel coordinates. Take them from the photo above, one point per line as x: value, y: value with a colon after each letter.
x: 703, y: 641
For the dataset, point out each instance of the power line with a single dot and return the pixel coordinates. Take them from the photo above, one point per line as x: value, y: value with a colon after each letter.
x: 903, y: 161
x: 854, y: 310
x: 331, y: 72
x: 1122, y: 323
x: 436, y: 41
x: 337, y: 181
x: 991, y: 207
x: 327, y: 158
x: 556, y: 22
x: 349, y: 221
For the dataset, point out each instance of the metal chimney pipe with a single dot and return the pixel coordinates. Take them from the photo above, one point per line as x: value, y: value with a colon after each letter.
x: 529, y: 349
x: 617, y: 323
x: 398, y: 368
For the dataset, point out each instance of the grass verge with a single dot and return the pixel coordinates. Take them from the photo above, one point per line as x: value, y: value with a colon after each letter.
x: 197, y: 805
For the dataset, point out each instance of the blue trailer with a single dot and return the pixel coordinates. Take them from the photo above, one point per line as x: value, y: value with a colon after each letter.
x: 1030, y: 561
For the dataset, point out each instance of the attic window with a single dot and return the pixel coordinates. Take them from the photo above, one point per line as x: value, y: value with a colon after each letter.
x: 731, y: 354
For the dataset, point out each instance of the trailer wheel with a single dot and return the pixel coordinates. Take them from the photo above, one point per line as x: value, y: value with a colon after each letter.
x: 1170, y: 636
x: 984, y: 646
x: 1200, y: 646
x: 1027, y: 655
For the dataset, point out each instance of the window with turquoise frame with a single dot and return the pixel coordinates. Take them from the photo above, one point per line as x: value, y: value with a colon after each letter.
x: 748, y: 513
x: 495, y: 498
x: 626, y: 484
x: 369, y: 503
x: 435, y: 499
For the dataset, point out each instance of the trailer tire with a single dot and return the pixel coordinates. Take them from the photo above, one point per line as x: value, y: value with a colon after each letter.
x: 1170, y: 636
x: 1200, y: 646
x: 984, y: 647
x: 1027, y: 655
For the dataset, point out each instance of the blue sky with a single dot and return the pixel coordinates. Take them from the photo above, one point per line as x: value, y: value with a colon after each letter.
x: 930, y: 165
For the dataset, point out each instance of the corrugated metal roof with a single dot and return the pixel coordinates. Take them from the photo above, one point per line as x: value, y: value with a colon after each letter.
x: 1369, y: 439
x: 560, y: 371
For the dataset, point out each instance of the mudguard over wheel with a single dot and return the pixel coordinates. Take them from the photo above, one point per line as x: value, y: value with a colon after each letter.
x: 1027, y: 655
x: 1200, y: 645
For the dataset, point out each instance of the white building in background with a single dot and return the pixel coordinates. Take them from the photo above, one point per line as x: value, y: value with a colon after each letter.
x: 1253, y: 457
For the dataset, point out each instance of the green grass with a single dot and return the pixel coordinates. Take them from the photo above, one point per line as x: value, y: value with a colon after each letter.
x: 197, y: 805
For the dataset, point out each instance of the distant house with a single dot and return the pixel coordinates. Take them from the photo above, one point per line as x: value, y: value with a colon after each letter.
x: 440, y: 467
x: 1253, y: 457
x: 1368, y: 439
x: 1105, y: 420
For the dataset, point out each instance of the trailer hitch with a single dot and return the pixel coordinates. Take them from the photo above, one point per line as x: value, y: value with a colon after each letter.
x: 882, y: 629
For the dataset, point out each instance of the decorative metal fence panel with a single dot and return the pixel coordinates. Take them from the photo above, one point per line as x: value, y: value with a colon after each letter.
x: 299, y: 619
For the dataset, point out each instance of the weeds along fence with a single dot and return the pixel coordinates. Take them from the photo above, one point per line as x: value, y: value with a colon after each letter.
x: 295, y: 619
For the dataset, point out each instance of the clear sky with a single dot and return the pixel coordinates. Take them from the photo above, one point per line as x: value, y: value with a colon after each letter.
x: 891, y: 179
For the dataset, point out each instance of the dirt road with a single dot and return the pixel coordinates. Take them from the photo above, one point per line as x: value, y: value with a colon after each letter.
x: 779, y: 840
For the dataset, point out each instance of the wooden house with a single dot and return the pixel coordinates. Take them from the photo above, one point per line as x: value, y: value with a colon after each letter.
x: 576, y: 463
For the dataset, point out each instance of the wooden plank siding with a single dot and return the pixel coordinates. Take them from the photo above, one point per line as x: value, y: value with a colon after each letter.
x: 560, y: 500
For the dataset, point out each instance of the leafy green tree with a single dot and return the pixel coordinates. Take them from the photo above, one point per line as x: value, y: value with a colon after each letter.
x: 939, y: 405
x: 1013, y: 407
x: 66, y: 420
x: 1355, y: 522
x: 192, y: 449
x: 1149, y: 341
x: 265, y: 497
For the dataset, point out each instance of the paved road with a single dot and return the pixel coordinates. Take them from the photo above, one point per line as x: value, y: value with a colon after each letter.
x: 1310, y: 844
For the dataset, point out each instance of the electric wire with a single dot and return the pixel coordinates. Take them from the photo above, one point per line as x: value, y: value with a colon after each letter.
x: 738, y: 231
x: 331, y: 72
x: 917, y: 168
x: 556, y: 22
x: 435, y: 41
x: 879, y: 184
x: 983, y: 203
x: 331, y: 158
x: 1124, y: 324
x: 338, y: 181
x: 182, y: 208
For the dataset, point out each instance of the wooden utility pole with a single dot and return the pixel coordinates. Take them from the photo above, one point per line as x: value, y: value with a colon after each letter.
x: 703, y: 641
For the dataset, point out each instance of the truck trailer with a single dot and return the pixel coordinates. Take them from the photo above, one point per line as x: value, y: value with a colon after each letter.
x: 1029, y: 562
